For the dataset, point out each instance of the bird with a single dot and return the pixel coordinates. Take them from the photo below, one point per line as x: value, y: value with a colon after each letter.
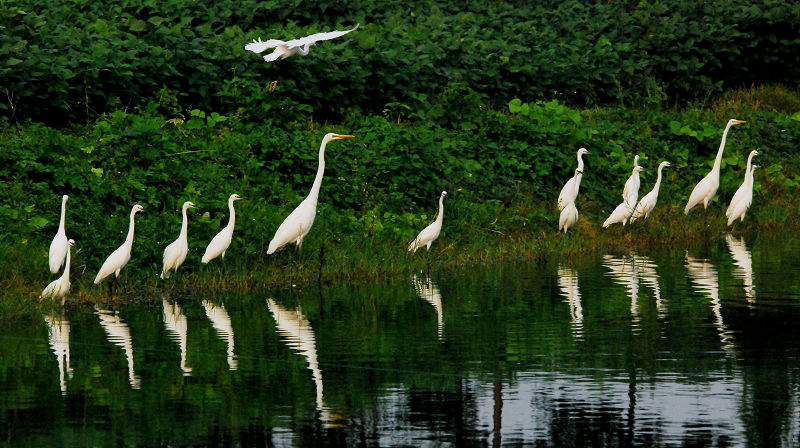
x: 567, y: 191
x: 284, y: 49
x: 119, y: 258
x: 219, y: 244
x: 58, y: 288
x: 60, y: 244
x: 630, y: 197
x: 744, y: 195
x: 630, y: 193
x: 429, y: 234
x: 569, y: 214
x: 175, y: 253
x: 295, y: 227
x: 648, y: 202
x: 705, y: 190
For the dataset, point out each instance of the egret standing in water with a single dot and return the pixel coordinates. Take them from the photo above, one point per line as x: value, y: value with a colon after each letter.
x: 119, y: 258
x: 704, y: 191
x: 648, y: 202
x: 569, y: 214
x: 58, y: 288
x: 569, y: 191
x: 175, y: 253
x: 284, y: 49
x: 430, y: 233
x: 60, y: 245
x: 295, y: 227
x: 744, y: 195
x: 219, y: 244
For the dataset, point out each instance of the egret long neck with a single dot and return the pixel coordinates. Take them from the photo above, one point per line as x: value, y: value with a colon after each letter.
x: 232, y: 218
x: 184, y: 224
x: 441, y: 210
x: 314, y: 194
x: 63, y: 214
x: 580, y: 161
x: 578, y: 177
x: 129, y: 238
x: 718, y: 159
x: 658, y: 178
x: 749, y: 163
x: 66, y: 268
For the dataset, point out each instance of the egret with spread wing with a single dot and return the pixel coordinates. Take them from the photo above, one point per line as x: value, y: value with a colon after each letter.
x: 284, y: 49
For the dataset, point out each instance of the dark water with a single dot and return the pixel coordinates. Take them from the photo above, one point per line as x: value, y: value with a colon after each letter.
x: 695, y: 346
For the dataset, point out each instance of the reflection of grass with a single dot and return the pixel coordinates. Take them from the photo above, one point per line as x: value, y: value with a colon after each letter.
x: 483, y: 235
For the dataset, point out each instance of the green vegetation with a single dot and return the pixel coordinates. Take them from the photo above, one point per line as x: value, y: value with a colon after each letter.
x: 157, y: 103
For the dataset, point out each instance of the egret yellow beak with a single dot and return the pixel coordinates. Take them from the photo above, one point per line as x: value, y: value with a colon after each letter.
x: 739, y: 121
x: 344, y: 136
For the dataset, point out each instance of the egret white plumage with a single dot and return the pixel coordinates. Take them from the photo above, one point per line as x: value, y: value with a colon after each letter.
x: 295, y: 227
x: 284, y: 49
x: 429, y: 234
x: 744, y: 195
x: 175, y: 253
x: 625, y: 209
x: 119, y: 258
x: 58, y: 288
x: 60, y: 245
x: 569, y: 214
x: 219, y: 244
x: 568, y: 191
x: 705, y: 190
x: 648, y: 202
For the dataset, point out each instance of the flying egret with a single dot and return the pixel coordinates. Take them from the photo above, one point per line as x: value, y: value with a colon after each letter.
x: 569, y: 214
x: 175, y: 253
x: 60, y: 244
x: 219, y: 244
x: 430, y: 233
x: 568, y: 192
x: 59, y: 287
x: 705, y: 190
x: 744, y: 195
x: 119, y: 258
x: 295, y: 227
x: 624, y: 210
x: 648, y: 202
x: 284, y: 49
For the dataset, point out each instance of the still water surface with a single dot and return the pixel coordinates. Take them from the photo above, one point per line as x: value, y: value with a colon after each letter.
x: 693, y: 346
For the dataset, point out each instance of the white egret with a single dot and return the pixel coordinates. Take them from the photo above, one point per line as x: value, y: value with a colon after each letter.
x: 295, y: 227
x: 569, y: 214
x: 630, y: 195
x: 175, y: 253
x: 219, y: 244
x: 430, y: 233
x: 60, y: 244
x: 284, y: 49
x: 59, y: 287
x: 568, y: 191
x: 744, y: 195
x: 648, y: 202
x: 119, y: 258
x: 705, y: 190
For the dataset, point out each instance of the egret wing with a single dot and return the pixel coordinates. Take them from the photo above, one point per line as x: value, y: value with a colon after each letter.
x: 258, y: 46
x: 318, y: 37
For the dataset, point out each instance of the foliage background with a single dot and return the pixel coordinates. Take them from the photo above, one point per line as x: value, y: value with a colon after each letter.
x: 158, y: 103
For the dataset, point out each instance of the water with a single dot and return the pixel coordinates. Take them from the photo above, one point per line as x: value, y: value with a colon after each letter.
x: 691, y: 346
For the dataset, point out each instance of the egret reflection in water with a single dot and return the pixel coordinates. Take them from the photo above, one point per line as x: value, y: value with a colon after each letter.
x: 704, y: 275
x: 119, y: 334
x: 298, y: 334
x: 744, y: 265
x: 624, y: 272
x: 176, y: 324
x: 429, y: 292
x: 222, y: 323
x: 568, y: 283
x: 58, y: 335
x: 646, y: 269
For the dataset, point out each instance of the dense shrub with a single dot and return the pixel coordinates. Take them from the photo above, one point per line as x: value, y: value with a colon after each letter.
x: 70, y: 60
